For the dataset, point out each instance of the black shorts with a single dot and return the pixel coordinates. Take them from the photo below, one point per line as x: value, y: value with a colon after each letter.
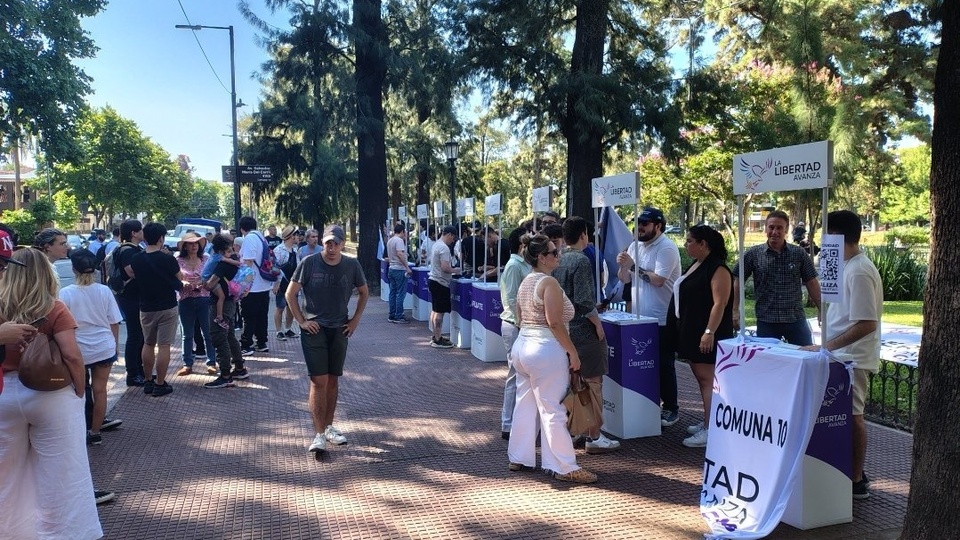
x: 440, y: 297
x: 324, y: 352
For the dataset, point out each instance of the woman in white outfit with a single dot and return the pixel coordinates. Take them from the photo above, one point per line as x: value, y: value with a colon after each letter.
x: 45, y: 485
x: 543, y: 357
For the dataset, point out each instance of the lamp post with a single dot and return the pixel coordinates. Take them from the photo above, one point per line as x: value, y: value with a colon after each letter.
x: 234, y: 106
x: 452, y: 150
x: 690, y: 50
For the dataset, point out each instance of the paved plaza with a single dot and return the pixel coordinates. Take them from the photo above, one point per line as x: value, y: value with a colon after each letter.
x: 424, y: 459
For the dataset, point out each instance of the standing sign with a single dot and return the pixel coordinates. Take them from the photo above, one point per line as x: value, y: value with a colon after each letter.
x: 616, y: 190
x: 831, y: 268
x: 402, y: 212
x: 462, y: 208
x: 469, y: 207
x: 803, y: 166
x: 491, y: 205
x: 439, y: 209
x: 542, y: 199
x: 423, y: 211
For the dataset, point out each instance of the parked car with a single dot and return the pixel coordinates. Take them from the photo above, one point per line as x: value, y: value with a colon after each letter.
x: 75, y: 241
x: 64, y: 270
x: 673, y: 229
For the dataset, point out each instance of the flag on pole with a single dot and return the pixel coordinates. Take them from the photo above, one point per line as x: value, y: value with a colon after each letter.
x: 615, y: 237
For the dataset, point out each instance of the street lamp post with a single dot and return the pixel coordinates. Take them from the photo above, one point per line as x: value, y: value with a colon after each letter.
x: 452, y: 150
x: 234, y: 106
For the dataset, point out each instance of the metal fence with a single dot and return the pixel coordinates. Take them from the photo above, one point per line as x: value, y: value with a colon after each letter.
x: 892, y: 399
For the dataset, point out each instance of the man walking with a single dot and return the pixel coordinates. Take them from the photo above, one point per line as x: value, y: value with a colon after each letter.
x: 255, y: 306
x: 658, y: 260
x: 441, y: 274
x: 778, y: 269
x: 854, y: 325
x: 327, y: 282
x: 397, y: 273
x: 586, y: 330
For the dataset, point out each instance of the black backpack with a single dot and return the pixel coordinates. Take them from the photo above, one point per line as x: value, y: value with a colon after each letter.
x: 117, y: 278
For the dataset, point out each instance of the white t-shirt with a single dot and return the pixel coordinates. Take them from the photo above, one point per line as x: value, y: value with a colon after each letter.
x: 95, y: 309
x: 396, y: 245
x: 253, y: 251
x: 862, y: 301
x: 438, y: 253
x: 663, y: 258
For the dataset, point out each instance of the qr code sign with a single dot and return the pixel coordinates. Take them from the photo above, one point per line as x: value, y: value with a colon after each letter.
x: 829, y: 264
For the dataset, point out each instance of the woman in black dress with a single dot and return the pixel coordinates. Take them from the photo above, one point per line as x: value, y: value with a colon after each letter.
x: 700, y: 313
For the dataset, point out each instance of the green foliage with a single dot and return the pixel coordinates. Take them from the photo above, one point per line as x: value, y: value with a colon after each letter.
x: 903, y: 276
x: 205, y: 200
x: 907, y: 236
x: 44, y: 212
x: 906, y: 193
x: 23, y: 222
x: 68, y: 213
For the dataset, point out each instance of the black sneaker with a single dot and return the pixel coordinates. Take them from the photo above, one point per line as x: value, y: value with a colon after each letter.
x: 441, y: 343
x: 162, y: 389
x: 148, y: 387
x: 220, y: 382
x: 281, y: 336
x: 861, y: 489
x: 668, y: 418
x: 110, y: 424
x: 104, y: 496
x: 866, y: 480
x: 94, y: 438
x: 246, y: 351
x: 261, y: 348
x: 135, y: 381
x: 241, y: 374
x: 291, y: 334
x: 402, y: 320
x: 391, y: 320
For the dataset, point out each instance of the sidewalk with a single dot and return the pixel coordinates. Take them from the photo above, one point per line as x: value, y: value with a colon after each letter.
x: 424, y: 459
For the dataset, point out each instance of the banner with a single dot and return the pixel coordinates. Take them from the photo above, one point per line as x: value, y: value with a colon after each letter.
x: 491, y: 205
x: 402, y: 212
x: 802, y: 166
x: 439, y: 209
x: 542, y: 199
x: 614, y: 237
x: 423, y: 211
x: 469, y: 208
x: 616, y: 190
x: 766, y: 399
x: 831, y: 268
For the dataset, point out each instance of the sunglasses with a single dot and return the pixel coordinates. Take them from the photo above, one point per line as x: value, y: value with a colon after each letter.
x: 555, y: 252
x: 643, y: 223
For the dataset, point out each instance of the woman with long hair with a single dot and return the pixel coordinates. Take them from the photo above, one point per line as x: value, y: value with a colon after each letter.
x: 98, y: 331
x: 700, y: 314
x: 194, y: 303
x: 543, y: 356
x: 45, y: 485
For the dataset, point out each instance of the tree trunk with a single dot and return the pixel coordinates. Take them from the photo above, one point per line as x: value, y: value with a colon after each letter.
x: 370, y: 37
x: 933, y: 510
x: 584, y: 125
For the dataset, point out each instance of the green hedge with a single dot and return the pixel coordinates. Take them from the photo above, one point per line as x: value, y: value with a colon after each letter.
x: 904, y: 276
x: 908, y: 235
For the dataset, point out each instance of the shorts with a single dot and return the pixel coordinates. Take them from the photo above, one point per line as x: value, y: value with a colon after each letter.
x: 861, y: 381
x: 108, y: 362
x: 281, y: 301
x: 160, y: 327
x: 440, y: 297
x: 324, y: 352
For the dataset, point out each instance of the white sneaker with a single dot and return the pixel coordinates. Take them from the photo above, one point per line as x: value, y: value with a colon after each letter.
x: 695, y: 428
x: 697, y: 440
x: 319, y: 444
x: 601, y: 445
x: 333, y: 435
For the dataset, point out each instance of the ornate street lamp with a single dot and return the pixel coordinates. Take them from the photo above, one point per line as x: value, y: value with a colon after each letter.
x: 452, y: 150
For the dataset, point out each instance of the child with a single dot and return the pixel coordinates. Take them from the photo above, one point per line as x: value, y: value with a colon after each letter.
x: 205, y: 275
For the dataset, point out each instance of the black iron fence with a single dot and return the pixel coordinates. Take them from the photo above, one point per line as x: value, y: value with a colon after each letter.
x: 892, y: 399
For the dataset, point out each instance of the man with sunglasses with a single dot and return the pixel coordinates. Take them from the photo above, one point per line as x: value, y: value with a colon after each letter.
x: 657, y: 261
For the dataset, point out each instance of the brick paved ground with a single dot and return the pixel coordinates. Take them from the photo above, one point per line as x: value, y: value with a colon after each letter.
x: 425, y: 459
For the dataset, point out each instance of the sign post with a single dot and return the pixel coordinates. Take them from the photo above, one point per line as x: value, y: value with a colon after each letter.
x: 542, y: 201
x: 614, y: 191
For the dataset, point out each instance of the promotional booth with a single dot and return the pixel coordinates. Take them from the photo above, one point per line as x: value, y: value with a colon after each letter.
x: 631, y: 388
x: 461, y: 318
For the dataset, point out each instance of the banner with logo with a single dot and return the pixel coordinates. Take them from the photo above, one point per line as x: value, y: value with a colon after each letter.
x: 789, y: 168
x: 616, y: 190
x: 542, y: 199
x: 492, y: 205
x: 766, y: 399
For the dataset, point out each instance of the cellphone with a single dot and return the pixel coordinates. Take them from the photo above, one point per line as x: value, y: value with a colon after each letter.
x: 38, y: 322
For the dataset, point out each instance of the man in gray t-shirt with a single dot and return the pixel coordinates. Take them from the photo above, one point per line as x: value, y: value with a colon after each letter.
x: 327, y: 281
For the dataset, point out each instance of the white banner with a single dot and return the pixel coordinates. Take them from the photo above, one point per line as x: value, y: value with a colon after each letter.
x: 491, y: 205
x: 469, y: 207
x: 390, y: 217
x: 402, y: 212
x: 439, y: 209
x: 423, y: 211
x: 542, y: 199
x: 803, y: 166
x: 616, y: 190
x: 462, y: 207
x: 766, y: 399
x: 831, y: 268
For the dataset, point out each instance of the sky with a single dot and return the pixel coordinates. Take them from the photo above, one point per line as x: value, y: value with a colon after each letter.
x: 156, y: 75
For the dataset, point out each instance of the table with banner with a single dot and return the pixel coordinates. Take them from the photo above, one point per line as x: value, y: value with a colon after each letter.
x: 487, y: 341
x: 385, y: 286
x: 461, y: 316
x: 779, y: 445
x: 631, y: 388
x: 420, y: 307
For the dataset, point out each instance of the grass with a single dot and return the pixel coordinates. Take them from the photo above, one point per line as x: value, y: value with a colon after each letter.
x: 909, y: 313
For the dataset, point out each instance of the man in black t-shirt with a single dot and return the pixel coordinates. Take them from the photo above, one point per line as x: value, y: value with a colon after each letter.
x: 131, y: 234
x: 271, y: 237
x: 159, y: 315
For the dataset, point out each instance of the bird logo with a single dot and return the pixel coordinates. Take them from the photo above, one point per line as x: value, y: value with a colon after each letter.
x: 754, y: 173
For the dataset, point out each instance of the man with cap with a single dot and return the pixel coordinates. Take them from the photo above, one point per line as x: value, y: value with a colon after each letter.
x: 255, y: 306
x: 286, y: 254
x: 327, y: 281
x: 441, y: 274
x: 656, y: 258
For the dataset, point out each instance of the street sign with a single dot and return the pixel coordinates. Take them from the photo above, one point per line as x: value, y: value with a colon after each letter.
x: 248, y: 173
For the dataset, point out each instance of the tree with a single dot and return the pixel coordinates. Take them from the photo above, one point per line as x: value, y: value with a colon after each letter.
x: 931, y: 513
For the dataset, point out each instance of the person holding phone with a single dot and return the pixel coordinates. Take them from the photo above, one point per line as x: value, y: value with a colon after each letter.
x: 46, y: 490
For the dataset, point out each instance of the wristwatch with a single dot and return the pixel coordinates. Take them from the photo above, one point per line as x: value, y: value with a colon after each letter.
x: 708, y: 331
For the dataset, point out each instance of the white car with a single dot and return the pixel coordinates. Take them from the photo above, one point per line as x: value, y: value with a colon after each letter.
x: 64, y: 270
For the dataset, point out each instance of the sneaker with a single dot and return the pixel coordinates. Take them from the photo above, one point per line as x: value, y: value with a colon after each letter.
x: 222, y: 323
x: 333, y: 435
x: 864, y: 479
x: 281, y: 336
x: 104, y: 496
x: 94, y: 438
x: 241, y: 374
x: 669, y: 418
x: 402, y: 320
x: 148, y: 386
x: 212, y: 370
x: 246, y: 351
x: 291, y: 334
x: 580, y: 476
x: 135, y: 381
x: 695, y: 428
x: 440, y: 343
x: 697, y: 440
x: 319, y: 444
x: 162, y: 389
x: 220, y: 382
x: 262, y: 348
x: 185, y: 370
x: 601, y: 445
x: 861, y: 489
x: 391, y: 320
x: 110, y: 424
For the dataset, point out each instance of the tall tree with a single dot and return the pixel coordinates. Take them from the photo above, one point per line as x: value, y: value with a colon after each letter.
x: 931, y: 511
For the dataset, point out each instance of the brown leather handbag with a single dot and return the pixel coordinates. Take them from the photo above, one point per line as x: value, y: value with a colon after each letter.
x: 42, y: 367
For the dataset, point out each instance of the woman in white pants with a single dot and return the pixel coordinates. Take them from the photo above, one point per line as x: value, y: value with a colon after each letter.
x: 543, y: 357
